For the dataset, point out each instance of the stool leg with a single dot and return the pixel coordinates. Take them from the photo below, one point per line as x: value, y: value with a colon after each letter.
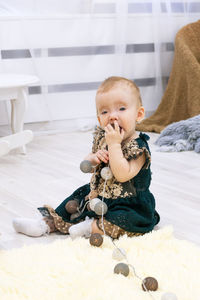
x: 16, y: 140
x: 18, y: 108
x: 4, y: 147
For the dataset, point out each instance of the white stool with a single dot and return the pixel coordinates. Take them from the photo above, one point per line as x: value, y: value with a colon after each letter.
x: 14, y: 87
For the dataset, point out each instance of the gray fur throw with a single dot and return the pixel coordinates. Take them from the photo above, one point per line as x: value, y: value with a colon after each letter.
x: 180, y: 136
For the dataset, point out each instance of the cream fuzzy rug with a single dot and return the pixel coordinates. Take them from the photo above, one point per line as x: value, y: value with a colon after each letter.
x: 67, y: 269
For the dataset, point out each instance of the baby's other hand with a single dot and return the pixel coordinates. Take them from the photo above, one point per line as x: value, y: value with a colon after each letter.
x: 101, y: 155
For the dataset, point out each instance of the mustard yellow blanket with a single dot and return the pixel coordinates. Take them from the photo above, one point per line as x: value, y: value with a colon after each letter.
x: 181, y: 99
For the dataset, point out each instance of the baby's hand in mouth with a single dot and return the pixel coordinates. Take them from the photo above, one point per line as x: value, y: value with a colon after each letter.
x: 114, y: 133
x: 115, y: 126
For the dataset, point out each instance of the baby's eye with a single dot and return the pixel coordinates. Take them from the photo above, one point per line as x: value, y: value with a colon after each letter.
x: 103, y: 112
x: 122, y: 108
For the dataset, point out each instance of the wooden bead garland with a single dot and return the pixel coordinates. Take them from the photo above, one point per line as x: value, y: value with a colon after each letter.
x: 106, y: 173
x: 96, y: 239
x: 88, y: 207
x: 93, y: 202
x: 169, y: 296
x: 121, y: 268
x: 72, y: 206
x: 119, y: 254
x: 86, y: 166
x: 150, y: 283
x: 74, y: 216
x: 100, y: 208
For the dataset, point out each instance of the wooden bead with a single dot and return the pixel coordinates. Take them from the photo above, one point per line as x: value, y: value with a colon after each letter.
x: 74, y: 216
x: 86, y: 166
x: 72, y: 206
x: 121, y: 268
x: 150, y: 283
x: 93, y: 202
x: 88, y: 207
x: 96, y: 239
x: 169, y: 296
x: 106, y: 173
x: 119, y: 254
x: 100, y: 207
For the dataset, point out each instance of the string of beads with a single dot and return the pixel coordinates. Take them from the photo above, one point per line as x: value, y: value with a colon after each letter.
x: 100, y: 208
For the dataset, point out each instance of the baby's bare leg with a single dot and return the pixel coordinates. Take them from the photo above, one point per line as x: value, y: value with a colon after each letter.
x: 95, y: 228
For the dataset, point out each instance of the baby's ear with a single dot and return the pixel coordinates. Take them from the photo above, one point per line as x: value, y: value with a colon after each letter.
x: 140, y: 114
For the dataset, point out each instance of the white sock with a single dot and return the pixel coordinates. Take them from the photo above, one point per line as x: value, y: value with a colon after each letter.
x: 81, y: 229
x: 31, y: 227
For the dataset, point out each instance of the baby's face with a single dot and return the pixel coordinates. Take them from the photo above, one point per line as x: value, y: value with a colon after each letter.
x: 118, y: 104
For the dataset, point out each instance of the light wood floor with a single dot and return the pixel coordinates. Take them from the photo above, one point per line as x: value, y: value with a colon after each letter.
x: 50, y: 172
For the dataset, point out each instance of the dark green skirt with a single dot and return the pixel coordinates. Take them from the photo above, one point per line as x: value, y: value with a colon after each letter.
x: 133, y: 214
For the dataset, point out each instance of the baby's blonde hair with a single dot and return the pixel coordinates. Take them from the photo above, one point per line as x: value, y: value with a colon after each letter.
x: 113, y: 81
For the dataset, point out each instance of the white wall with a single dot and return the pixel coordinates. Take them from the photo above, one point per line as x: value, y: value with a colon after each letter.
x: 72, y: 54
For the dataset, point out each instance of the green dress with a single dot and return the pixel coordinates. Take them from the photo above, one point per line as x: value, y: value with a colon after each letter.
x: 131, y: 205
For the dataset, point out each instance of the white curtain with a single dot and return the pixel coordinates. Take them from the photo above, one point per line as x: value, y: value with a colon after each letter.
x: 73, y: 45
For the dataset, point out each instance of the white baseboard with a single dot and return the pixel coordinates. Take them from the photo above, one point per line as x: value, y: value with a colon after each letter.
x: 52, y: 127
